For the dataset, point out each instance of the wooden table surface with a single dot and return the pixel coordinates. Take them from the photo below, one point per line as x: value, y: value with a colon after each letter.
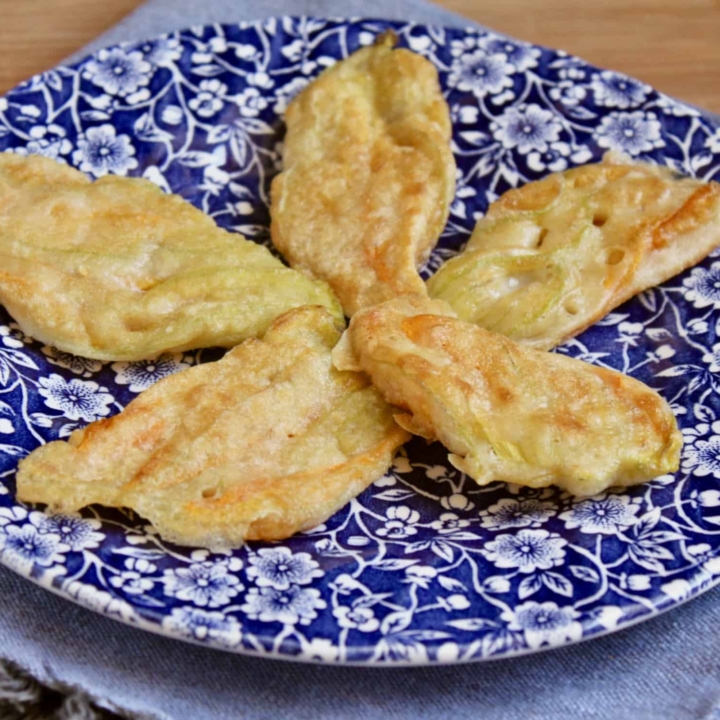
x: 672, y: 44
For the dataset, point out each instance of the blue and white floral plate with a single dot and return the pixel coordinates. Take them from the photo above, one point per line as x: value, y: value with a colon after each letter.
x: 424, y: 566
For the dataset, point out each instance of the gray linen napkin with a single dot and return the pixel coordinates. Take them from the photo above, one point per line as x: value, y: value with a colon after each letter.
x: 667, y: 668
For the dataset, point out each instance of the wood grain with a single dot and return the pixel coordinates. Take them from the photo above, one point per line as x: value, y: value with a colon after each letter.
x: 671, y: 44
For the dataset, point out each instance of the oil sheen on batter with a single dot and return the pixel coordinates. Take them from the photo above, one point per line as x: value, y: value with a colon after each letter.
x: 269, y: 441
x: 368, y: 175
x: 508, y: 412
x: 555, y: 256
x: 118, y: 270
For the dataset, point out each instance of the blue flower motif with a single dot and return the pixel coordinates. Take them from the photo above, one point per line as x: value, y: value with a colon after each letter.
x: 205, y: 584
x: 251, y: 102
x: 521, y: 56
x: 280, y: 568
x: 209, y: 101
x: 203, y: 625
x: 527, y: 550
x: 631, y: 133
x: 162, y: 52
x: 554, y: 159
x: 701, y: 456
x: 136, y: 579
x: 614, y: 90
x: 77, y: 399
x: 568, y: 93
x: 448, y: 523
x: 131, y: 582
x: 526, y: 128
x: 604, y: 514
x: 25, y: 545
x: 400, y: 522
x: 50, y: 141
x: 558, y: 156
x: 290, y: 606
x: 101, y: 151
x: 481, y: 73
x: 75, y: 532
x: 509, y: 513
x: 118, y: 72
x: 703, y: 286
x: 544, y: 623
x: 140, y: 375
x: 356, y: 618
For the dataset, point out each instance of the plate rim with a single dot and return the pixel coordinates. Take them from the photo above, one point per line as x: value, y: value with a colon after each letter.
x: 139, y: 621
x: 315, y: 660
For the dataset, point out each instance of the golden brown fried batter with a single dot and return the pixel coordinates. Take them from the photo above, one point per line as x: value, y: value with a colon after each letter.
x: 118, y: 270
x: 507, y: 412
x: 368, y: 175
x: 266, y: 442
x: 555, y: 256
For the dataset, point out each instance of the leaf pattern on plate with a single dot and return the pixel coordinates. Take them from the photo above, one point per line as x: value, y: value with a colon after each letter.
x: 424, y: 566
